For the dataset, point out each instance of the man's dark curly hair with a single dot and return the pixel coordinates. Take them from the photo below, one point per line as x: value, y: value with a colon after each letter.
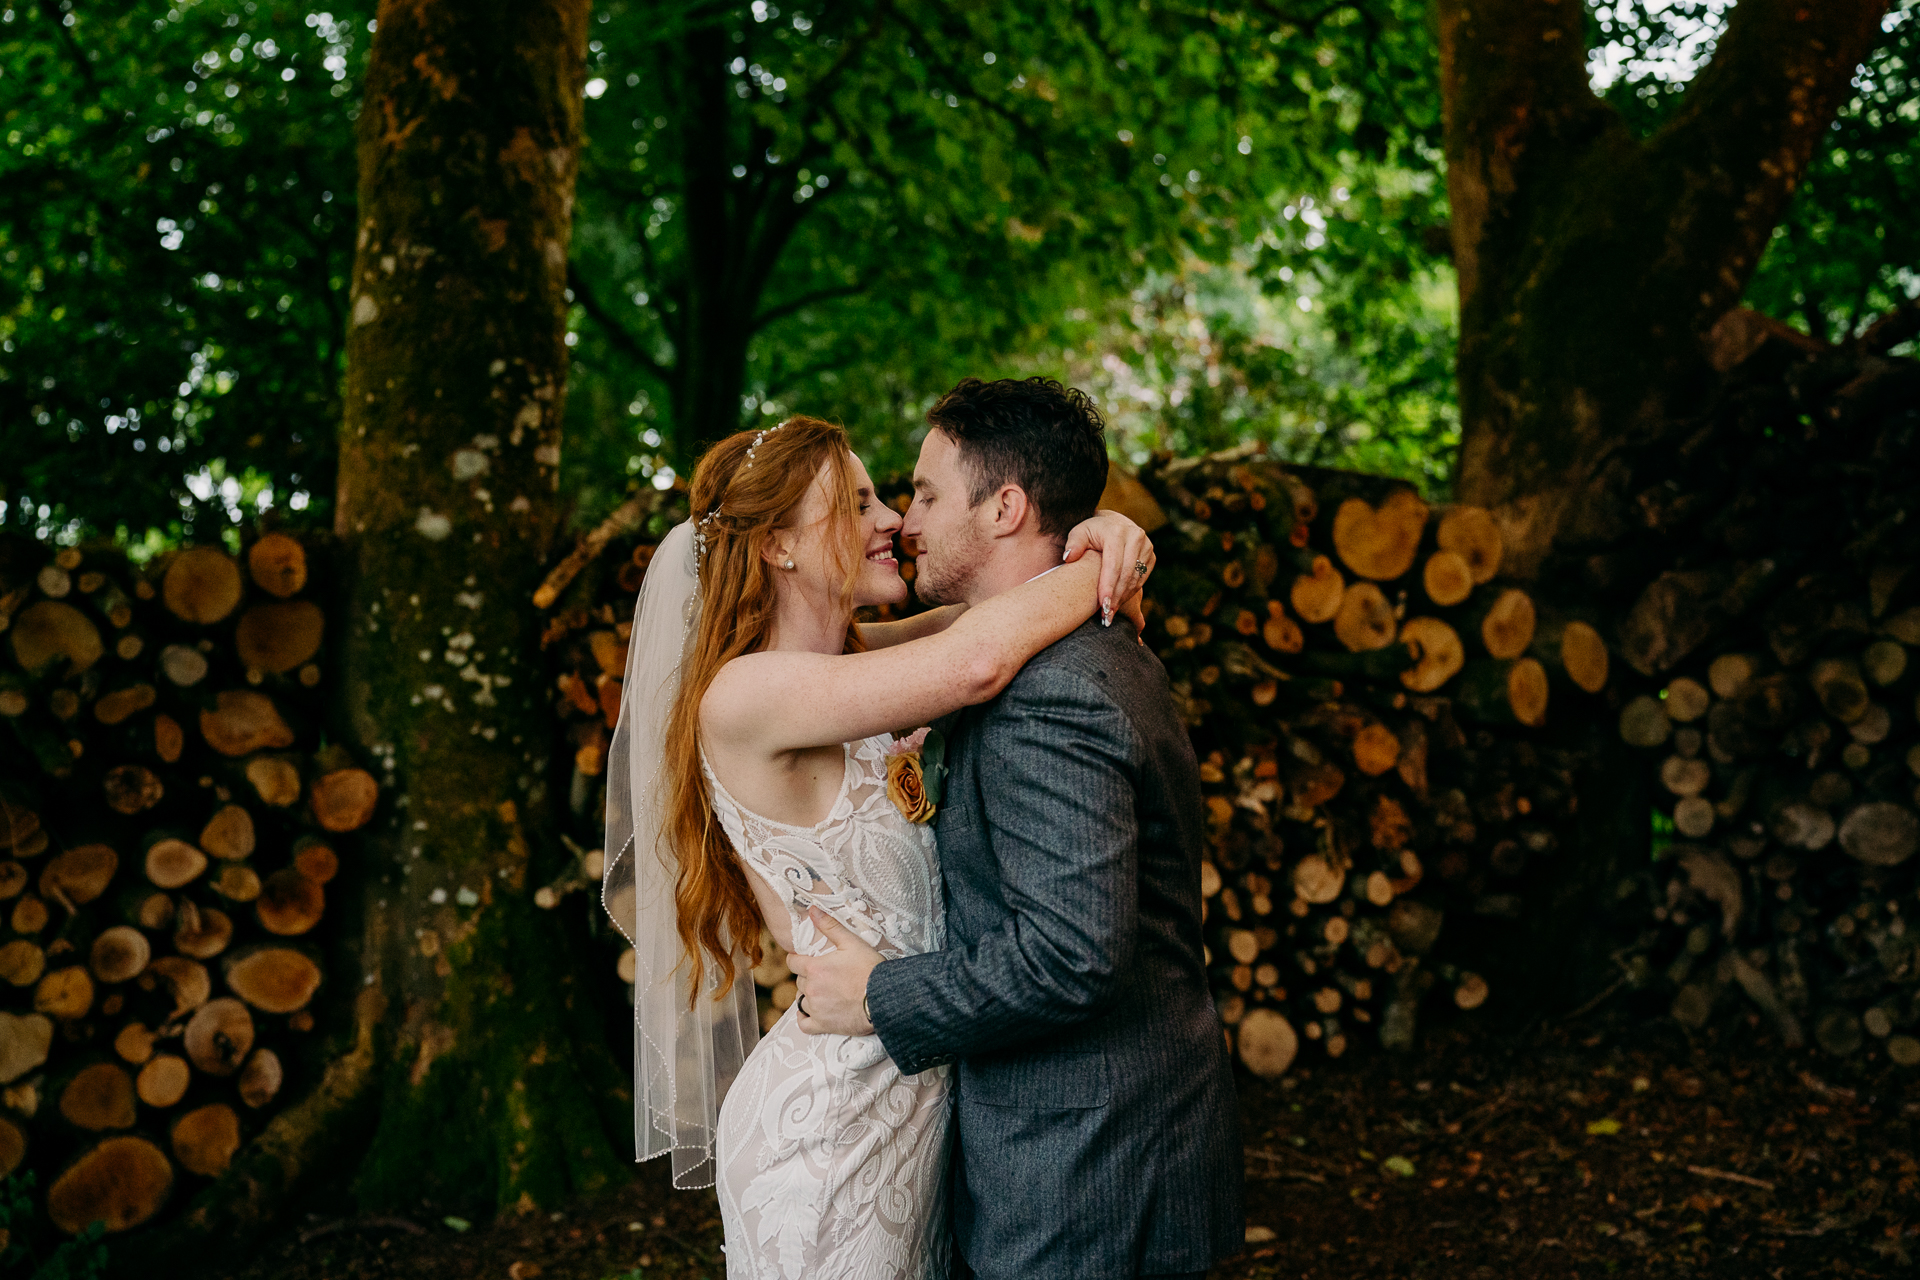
x: 1048, y: 439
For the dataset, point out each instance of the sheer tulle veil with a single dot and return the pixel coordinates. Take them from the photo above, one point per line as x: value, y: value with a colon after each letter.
x: 684, y: 1059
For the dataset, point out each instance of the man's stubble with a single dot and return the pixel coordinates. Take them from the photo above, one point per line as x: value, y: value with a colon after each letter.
x: 951, y: 567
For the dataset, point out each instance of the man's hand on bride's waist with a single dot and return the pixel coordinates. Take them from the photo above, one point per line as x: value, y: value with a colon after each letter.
x: 833, y: 987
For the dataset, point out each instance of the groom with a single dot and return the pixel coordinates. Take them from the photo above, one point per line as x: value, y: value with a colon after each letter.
x: 1096, y: 1130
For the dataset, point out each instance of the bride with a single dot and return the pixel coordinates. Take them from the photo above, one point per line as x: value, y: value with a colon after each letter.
x: 748, y: 782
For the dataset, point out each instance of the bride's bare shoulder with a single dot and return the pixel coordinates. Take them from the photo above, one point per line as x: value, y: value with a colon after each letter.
x: 741, y: 689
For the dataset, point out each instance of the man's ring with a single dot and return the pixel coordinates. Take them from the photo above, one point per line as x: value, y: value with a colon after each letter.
x: 1140, y: 567
x: 801, y: 1004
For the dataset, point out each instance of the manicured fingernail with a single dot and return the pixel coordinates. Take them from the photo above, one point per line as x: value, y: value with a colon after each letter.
x: 1106, y: 613
x: 1064, y: 554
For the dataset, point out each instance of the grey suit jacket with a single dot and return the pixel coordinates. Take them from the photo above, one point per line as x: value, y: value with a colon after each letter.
x: 1097, y: 1130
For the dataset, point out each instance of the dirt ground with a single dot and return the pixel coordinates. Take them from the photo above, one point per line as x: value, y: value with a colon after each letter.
x: 1608, y: 1147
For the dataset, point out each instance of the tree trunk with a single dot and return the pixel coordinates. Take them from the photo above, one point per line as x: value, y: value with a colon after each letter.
x: 1591, y: 262
x: 493, y: 1086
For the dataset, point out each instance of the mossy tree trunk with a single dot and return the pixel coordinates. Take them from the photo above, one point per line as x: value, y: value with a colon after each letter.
x: 1593, y: 265
x: 494, y: 1087
x: 1591, y: 262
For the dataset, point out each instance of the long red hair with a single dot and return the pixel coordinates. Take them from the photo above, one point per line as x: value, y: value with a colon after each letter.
x: 738, y: 508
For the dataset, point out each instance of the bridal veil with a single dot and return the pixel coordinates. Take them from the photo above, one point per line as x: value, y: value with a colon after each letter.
x: 683, y: 1058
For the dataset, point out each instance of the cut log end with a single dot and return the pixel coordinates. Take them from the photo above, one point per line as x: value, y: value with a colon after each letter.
x: 99, y: 1097
x: 1268, y: 1043
x: 81, y: 874
x: 261, y: 1078
x: 1364, y: 621
x: 274, y: 979
x: 1471, y: 992
x: 278, y: 564
x: 1583, y: 654
x: 274, y: 780
x: 290, y: 903
x: 163, y: 1081
x: 219, y: 1036
x: 202, y: 932
x: 1316, y: 596
x: 172, y: 863
x: 229, y: 833
x: 242, y: 722
x: 202, y: 585
x: 279, y: 637
x: 1508, y: 627
x: 122, y: 1182
x: 120, y: 954
x: 1474, y: 535
x: 344, y: 799
x: 1447, y: 578
x: 1380, y: 542
x: 1438, y: 652
x: 55, y: 638
x: 205, y: 1139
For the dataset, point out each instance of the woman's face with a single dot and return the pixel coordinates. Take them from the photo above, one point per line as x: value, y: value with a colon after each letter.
x: 818, y: 565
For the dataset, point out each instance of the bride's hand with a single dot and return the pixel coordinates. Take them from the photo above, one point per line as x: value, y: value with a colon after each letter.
x: 1126, y: 560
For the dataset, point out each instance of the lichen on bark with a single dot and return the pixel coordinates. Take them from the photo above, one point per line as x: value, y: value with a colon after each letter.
x: 494, y: 1086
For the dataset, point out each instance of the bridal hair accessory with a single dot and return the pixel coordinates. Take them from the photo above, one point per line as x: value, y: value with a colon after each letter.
x: 758, y: 436
x: 700, y: 526
x: 686, y: 1052
x: 917, y: 774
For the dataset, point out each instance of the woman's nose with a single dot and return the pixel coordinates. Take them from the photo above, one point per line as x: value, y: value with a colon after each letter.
x: 890, y: 519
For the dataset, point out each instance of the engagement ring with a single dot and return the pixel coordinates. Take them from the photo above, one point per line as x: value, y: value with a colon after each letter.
x: 1140, y: 567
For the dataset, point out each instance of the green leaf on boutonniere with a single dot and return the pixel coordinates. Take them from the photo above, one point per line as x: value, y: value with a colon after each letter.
x: 933, y: 766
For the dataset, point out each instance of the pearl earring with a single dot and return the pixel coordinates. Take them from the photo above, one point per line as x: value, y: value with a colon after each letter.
x: 789, y: 562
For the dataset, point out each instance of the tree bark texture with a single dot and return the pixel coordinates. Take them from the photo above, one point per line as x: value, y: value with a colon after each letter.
x: 1591, y: 262
x: 494, y: 1086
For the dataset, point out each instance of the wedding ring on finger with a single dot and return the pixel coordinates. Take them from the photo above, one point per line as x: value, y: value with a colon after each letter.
x: 801, y: 1005
x: 1140, y: 567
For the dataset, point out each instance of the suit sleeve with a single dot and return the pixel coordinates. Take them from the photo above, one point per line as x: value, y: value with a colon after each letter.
x: 1061, y: 821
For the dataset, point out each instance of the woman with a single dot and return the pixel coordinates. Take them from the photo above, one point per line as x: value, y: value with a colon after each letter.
x: 754, y: 735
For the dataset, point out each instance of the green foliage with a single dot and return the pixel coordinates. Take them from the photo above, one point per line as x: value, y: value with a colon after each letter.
x: 176, y: 196
x: 887, y: 197
x: 839, y: 207
x: 83, y: 1257
x: 1848, y: 249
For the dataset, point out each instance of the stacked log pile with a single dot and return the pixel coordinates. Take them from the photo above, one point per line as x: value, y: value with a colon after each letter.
x: 589, y: 598
x: 1365, y: 696
x: 168, y: 830
x: 1777, y: 706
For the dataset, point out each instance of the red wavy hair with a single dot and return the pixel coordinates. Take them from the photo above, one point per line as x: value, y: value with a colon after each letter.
x: 739, y: 509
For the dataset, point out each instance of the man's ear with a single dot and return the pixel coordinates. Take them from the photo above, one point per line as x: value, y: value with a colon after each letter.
x: 1012, y: 511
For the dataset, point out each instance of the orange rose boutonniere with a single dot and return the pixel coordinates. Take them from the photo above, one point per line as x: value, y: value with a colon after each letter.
x: 916, y: 774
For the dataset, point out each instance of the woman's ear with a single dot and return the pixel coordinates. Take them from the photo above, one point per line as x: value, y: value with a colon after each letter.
x: 777, y: 551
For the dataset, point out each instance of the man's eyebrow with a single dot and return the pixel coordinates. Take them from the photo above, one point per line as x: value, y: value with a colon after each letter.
x: 919, y: 484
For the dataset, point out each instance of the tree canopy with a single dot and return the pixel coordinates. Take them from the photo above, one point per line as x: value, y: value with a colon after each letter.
x: 1230, y: 223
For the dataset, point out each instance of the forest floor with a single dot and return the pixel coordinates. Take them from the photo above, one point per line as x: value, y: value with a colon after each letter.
x: 1613, y: 1146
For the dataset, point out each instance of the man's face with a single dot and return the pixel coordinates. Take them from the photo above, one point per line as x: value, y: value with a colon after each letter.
x: 941, y: 525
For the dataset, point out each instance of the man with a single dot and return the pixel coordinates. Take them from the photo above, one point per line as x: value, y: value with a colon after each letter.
x: 1096, y: 1131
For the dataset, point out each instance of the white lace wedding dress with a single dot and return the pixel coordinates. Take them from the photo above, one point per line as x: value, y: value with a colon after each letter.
x: 832, y: 1165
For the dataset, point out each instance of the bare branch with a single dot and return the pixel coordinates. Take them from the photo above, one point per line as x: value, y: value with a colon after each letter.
x: 1892, y: 329
x: 616, y: 332
x: 805, y: 300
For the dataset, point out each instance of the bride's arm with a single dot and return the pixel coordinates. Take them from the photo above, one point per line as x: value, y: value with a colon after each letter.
x: 784, y: 701
x: 1128, y: 559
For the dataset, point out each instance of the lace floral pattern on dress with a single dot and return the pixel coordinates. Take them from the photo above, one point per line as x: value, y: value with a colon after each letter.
x: 832, y: 1163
